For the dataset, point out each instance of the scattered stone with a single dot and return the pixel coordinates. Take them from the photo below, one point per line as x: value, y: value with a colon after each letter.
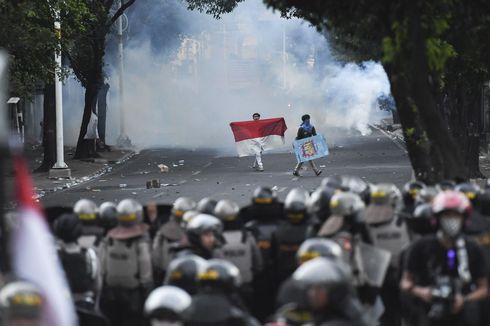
x: 163, y: 168
x: 122, y: 185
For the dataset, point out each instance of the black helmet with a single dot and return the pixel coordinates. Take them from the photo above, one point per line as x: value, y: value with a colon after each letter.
x: 221, y: 274
x: 20, y: 300
x: 330, y: 274
x: 200, y: 224
x: 86, y: 210
x: 264, y: 196
x: 226, y: 210
x: 333, y: 182
x: 256, y: 114
x: 206, y: 205
x: 68, y: 227
x: 108, y: 215
x: 446, y: 185
x: 410, y: 192
x: 471, y: 190
x: 295, y: 205
x: 426, y: 195
x: 421, y: 221
x: 318, y: 204
x: 183, y: 272
x: 318, y: 247
x: 167, y: 303
x: 130, y: 212
x: 182, y: 205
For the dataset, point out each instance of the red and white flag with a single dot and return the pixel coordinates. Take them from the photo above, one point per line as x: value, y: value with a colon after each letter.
x: 255, y: 136
x: 34, y: 256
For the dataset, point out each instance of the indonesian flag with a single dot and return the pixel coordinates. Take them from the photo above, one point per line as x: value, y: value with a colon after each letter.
x: 34, y: 256
x: 255, y: 136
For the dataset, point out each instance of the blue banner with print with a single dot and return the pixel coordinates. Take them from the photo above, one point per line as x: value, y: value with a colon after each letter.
x: 310, y: 148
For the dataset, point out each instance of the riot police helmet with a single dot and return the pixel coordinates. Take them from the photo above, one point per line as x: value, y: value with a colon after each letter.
x: 332, y: 182
x: 183, y: 272
x: 318, y: 204
x: 108, y: 215
x: 20, y: 300
x: 227, y: 210
x: 182, y: 205
x: 346, y: 207
x: 295, y: 205
x: 68, y: 228
x: 201, y: 224
x: 471, y: 190
x: 188, y: 216
x: 318, y: 247
x: 130, y: 212
x: 426, y: 195
x: 446, y: 185
x: 355, y: 185
x: 206, y: 205
x: 221, y: 274
x: 86, y: 210
x: 328, y: 275
x: 167, y: 303
x: 385, y: 203
x: 410, y: 191
x: 264, y: 196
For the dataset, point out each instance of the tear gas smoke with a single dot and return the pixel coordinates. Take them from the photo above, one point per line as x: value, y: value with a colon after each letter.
x: 224, y: 70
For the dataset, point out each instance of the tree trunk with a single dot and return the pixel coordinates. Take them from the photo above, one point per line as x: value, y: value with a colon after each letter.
x: 83, y: 145
x: 49, y: 129
x: 102, y: 110
x: 432, y: 150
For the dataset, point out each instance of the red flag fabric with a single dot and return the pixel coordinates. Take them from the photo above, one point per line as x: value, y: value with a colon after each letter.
x: 34, y: 256
x: 255, y: 136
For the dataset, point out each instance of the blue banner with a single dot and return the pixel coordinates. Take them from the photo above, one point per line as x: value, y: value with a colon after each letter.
x: 310, y: 148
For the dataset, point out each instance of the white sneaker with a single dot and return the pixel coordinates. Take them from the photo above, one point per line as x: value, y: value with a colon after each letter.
x: 261, y: 168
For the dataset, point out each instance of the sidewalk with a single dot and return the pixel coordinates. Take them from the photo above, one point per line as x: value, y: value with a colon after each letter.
x: 81, y: 171
x: 396, y: 133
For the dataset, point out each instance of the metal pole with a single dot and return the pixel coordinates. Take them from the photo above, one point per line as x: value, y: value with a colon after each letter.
x: 4, y: 128
x: 123, y: 140
x: 60, y: 155
x: 60, y: 169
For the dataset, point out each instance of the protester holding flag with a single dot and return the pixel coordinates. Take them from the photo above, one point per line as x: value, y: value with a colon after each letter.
x: 254, y: 137
x: 305, y: 130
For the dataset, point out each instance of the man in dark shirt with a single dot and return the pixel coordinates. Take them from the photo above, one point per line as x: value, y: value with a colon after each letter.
x: 306, y: 130
x: 448, y: 261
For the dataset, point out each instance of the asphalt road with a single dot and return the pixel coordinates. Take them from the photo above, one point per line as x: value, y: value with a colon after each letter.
x: 375, y: 158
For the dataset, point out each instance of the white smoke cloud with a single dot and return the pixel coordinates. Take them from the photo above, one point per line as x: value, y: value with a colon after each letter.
x: 188, y: 101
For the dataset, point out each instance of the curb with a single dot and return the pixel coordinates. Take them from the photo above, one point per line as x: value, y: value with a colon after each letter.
x: 397, y: 139
x: 40, y: 192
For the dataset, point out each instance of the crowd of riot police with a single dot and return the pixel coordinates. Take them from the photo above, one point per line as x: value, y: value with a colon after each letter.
x: 348, y: 253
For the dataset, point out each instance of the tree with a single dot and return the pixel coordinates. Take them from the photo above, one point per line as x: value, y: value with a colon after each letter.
x: 31, y: 41
x: 418, y: 48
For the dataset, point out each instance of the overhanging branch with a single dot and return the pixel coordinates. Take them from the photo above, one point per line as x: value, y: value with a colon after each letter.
x: 120, y: 11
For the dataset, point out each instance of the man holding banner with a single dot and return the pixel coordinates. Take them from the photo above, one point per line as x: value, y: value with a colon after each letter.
x: 308, y: 146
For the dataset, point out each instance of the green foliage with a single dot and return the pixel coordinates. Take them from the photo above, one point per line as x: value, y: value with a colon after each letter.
x: 216, y: 8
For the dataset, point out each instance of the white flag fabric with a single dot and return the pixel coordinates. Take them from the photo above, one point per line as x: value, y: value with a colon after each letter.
x: 34, y: 256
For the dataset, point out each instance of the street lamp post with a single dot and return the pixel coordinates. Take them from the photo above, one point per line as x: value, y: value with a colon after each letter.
x: 123, y: 140
x: 60, y: 169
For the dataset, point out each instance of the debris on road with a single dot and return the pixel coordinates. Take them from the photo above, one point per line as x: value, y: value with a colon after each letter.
x: 181, y: 162
x: 153, y: 184
x: 123, y: 185
x: 323, y: 166
x: 163, y: 168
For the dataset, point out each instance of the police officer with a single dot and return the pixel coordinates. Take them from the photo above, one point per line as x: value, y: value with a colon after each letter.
x: 265, y: 214
x: 291, y: 232
x: 81, y: 269
x: 126, y: 265
x: 409, y: 194
x: 170, y: 234
x: 217, y: 303
x: 329, y: 294
x: 206, y: 205
x: 87, y: 212
x: 20, y: 304
x: 444, y: 278
x: 204, y: 236
x: 388, y: 231
x: 306, y: 130
x: 318, y: 208
x: 167, y: 306
x: 183, y: 272
x: 240, y: 246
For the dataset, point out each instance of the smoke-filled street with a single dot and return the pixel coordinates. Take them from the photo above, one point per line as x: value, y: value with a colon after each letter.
x: 202, y: 173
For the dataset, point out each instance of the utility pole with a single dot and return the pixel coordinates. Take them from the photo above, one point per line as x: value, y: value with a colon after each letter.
x: 4, y: 128
x: 60, y: 169
x: 123, y: 141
